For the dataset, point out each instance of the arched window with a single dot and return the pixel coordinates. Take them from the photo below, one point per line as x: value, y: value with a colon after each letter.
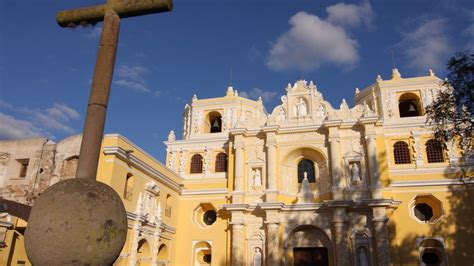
x: 432, y: 252
x: 215, y: 122
x: 168, y: 205
x: 163, y: 254
x: 434, y: 151
x: 221, y: 162
x: 409, y: 105
x: 196, y: 164
x: 143, y: 252
x: 306, y: 166
x: 401, y: 153
x: 128, y: 190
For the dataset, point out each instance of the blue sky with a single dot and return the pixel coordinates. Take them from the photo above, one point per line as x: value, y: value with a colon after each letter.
x: 163, y: 59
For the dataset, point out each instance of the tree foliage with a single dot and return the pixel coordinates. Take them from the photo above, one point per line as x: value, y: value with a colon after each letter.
x: 451, y: 114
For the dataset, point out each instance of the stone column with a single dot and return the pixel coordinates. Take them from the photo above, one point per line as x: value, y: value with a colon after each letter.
x: 156, y: 247
x: 373, y: 165
x: 237, y: 244
x: 239, y: 167
x: 340, y: 236
x: 381, y: 237
x: 271, y: 171
x: 335, y: 151
x: 132, y: 261
x: 273, y: 244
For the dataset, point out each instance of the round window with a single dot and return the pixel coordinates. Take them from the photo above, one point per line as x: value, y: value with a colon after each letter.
x: 424, y: 212
x: 210, y: 217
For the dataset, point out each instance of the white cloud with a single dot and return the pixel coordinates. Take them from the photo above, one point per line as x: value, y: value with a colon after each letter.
x: 93, y: 33
x: 427, y: 46
x: 311, y: 42
x: 254, y: 93
x: 17, y: 129
x: 132, y: 77
x: 56, y: 117
x: 351, y: 15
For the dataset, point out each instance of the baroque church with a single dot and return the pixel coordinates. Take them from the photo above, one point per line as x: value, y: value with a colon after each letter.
x: 305, y: 184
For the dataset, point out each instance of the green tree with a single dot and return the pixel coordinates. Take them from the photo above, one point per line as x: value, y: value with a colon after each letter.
x: 451, y: 114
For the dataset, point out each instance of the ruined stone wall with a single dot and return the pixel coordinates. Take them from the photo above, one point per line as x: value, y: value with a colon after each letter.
x: 28, y: 167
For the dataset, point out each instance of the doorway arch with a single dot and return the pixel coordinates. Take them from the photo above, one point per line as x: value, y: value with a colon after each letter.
x: 308, y: 240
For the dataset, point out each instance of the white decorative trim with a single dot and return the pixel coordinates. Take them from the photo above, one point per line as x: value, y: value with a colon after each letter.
x: 441, y: 182
x: 188, y: 192
x: 425, y: 170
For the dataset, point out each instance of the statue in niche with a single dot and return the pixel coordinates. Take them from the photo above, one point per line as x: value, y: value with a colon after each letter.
x: 257, y: 178
x: 363, y: 259
x: 355, y: 173
x: 257, y: 257
x: 321, y: 111
x: 301, y: 107
x: 282, y: 115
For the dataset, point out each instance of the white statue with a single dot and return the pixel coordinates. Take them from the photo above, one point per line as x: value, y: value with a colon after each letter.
x: 257, y: 178
x: 367, y: 111
x: 257, y: 257
x: 363, y: 259
x: 321, y: 111
x: 301, y: 107
x: 355, y: 173
x: 282, y: 115
x: 344, y: 105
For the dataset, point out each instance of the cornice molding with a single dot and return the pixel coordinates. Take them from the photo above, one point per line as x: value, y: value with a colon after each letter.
x: 157, y: 175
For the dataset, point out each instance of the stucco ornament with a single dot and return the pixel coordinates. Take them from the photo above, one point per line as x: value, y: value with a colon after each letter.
x: 171, y: 136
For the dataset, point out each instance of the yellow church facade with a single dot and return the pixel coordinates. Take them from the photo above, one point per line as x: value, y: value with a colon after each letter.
x: 304, y: 184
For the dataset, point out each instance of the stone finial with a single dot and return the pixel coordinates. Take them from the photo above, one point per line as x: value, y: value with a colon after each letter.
x: 236, y: 93
x: 305, y: 195
x: 260, y: 99
x: 171, y: 136
x: 431, y: 73
x: 396, y: 74
x: 357, y: 91
x: 195, y: 98
x: 288, y: 88
x: 230, y: 91
x: 311, y: 85
x: 379, y: 78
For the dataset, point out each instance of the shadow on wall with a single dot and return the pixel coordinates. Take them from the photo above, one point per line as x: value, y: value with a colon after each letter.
x: 455, y: 228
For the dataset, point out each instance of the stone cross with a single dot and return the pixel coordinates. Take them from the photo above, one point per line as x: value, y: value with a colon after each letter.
x: 110, y: 13
x: 94, y: 215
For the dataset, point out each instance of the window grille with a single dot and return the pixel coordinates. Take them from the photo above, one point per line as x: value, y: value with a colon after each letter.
x: 221, y: 162
x: 434, y: 151
x: 401, y: 153
x: 196, y: 164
